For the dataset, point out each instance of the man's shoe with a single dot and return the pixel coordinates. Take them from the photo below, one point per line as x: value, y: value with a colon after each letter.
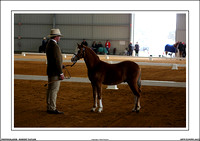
x: 54, y: 112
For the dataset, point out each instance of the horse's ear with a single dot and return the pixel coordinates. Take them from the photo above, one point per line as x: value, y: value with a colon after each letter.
x: 78, y: 45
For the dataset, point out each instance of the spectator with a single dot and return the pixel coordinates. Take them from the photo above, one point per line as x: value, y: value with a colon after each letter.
x: 44, y: 41
x: 107, y: 45
x: 181, y: 49
x: 101, y: 49
x: 99, y: 44
x: 84, y: 42
x: 130, y: 49
x: 95, y: 46
x: 42, y: 48
x: 137, y: 48
x: 126, y: 51
x: 184, y: 50
x: 114, y: 51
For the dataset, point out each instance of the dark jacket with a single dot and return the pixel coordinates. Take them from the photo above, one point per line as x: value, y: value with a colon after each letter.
x: 181, y: 47
x: 84, y: 43
x: 54, y: 59
x: 130, y: 47
x: 136, y: 47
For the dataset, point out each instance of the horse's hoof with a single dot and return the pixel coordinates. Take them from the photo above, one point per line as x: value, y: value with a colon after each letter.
x: 137, y: 110
x: 134, y: 110
x: 93, y: 109
x: 100, y: 110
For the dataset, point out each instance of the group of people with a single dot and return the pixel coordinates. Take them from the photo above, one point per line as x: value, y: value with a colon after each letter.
x: 99, y: 48
x: 129, y: 51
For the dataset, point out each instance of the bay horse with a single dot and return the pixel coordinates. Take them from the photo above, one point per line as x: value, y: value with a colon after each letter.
x: 171, y: 48
x: 100, y: 72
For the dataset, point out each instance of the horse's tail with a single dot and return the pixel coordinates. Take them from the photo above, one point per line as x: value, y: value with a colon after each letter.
x: 139, y: 81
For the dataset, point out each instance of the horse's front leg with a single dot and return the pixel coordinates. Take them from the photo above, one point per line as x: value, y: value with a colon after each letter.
x: 94, y: 98
x: 99, y: 91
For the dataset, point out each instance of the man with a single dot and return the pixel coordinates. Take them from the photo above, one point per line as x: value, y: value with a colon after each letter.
x: 137, y: 48
x: 107, y: 45
x: 181, y: 49
x: 130, y: 49
x: 44, y: 43
x: 54, y: 70
x: 84, y: 43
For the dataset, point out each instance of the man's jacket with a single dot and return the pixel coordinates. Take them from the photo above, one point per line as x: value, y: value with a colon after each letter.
x: 54, y: 59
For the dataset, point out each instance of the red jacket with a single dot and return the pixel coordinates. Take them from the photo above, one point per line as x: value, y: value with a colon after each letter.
x: 107, y: 44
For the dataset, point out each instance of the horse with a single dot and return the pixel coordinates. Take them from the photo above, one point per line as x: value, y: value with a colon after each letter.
x: 100, y: 72
x: 171, y: 48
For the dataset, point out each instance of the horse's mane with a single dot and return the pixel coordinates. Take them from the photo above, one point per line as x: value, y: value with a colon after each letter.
x: 92, y: 53
x: 91, y: 59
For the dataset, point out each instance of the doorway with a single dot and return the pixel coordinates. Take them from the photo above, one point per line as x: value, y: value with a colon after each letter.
x: 153, y: 30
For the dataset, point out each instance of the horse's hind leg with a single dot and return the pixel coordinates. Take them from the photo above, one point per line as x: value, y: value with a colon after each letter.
x: 136, y: 91
x: 137, y: 104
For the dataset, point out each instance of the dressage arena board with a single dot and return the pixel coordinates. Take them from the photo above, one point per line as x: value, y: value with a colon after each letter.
x: 163, y: 98
x: 86, y: 80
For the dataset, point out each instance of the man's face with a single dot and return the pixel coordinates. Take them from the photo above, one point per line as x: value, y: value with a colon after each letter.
x: 57, y: 38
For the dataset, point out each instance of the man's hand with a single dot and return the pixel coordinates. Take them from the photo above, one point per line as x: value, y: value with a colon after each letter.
x: 61, y: 76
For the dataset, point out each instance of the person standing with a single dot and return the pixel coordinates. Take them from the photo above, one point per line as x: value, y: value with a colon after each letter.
x: 130, y: 49
x: 42, y: 48
x: 84, y: 43
x: 44, y: 43
x: 107, y: 45
x: 137, y: 48
x: 181, y: 49
x: 54, y: 70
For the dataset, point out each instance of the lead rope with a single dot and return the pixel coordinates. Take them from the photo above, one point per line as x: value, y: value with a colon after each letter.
x: 66, y: 70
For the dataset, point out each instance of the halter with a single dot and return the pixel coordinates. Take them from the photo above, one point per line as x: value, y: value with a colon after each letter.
x: 76, y: 55
x: 74, y: 62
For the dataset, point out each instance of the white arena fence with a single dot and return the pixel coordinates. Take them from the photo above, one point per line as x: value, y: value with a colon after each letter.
x: 86, y: 80
x: 174, y: 66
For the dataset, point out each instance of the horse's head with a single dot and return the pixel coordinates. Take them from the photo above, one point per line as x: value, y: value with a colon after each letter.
x: 80, y: 53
